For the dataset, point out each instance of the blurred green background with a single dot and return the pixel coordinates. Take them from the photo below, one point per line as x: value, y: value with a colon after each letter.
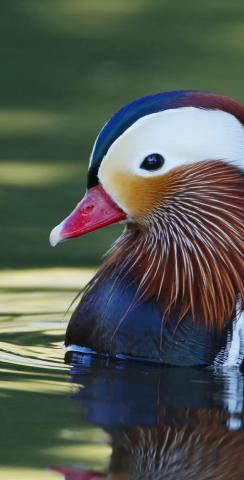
x: 66, y: 66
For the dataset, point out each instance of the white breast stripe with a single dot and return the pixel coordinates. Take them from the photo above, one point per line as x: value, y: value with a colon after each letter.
x: 236, y: 351
x: 233, y: 353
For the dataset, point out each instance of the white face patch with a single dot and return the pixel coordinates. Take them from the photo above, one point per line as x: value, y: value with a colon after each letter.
x: 182, y: 136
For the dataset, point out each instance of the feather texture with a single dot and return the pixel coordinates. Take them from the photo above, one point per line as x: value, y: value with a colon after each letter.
x: 187, y: 253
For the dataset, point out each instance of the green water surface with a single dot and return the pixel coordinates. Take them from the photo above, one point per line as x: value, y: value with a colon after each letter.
x: 40, y: 424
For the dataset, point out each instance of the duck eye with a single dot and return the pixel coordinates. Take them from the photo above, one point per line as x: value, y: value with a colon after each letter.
x: 154, y: 161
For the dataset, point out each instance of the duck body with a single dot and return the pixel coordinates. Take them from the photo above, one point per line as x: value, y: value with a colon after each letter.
x: 105, y: 323
x: 171, y: 290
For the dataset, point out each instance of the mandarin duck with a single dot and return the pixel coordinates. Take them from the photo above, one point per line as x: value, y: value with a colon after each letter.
x: 169, y: 166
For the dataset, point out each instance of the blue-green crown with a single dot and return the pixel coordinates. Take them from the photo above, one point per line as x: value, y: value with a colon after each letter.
x: 143, y: 106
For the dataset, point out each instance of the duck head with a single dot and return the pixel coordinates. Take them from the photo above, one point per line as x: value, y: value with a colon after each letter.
x: 170, y: 166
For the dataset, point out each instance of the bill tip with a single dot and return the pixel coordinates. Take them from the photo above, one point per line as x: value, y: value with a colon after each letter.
x: 55, y: 235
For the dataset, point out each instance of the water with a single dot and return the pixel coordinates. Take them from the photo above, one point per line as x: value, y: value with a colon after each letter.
x: 121, y: 420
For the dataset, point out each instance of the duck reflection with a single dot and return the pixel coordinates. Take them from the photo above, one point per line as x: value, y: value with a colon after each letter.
x: 165, y: 423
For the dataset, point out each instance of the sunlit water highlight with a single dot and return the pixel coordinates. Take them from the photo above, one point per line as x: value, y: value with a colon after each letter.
x: 122, y: 421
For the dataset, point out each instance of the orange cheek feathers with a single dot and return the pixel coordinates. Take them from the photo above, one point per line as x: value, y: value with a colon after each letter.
x: 138, y: 196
